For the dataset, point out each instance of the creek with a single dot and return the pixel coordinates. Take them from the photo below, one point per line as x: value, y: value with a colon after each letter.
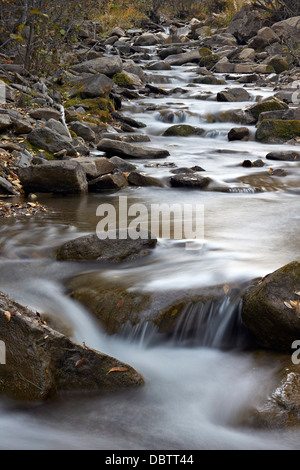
x: 197, y: 397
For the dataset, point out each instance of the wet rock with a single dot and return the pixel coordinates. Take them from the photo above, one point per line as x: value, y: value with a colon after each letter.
x: 268, y: 105
x: 46, y: 139
x: 109, y: 182
x: 130, y: 138
x: 284, y: 156
x: 233, y: 95
x: 171, y: 50
x: 107, y: 65
x: 181, y: 314
x: 267, y: 310
x: 128, y: 120
x: 239, y: 133
x: 45, y: 113
x: 126, y: 150
x: 189, y: 181
x: 41, y: 362
x: 279, y: 64
x: 122, y: 164
x: 115, y: 248
x: 183, y: 130
x: 279, y: 131
x: 146, y: 39
x: 160, y: 65
x: 54, y: 177
x: 138, y: 179
x: 95, y: 166
x: 183, y: 58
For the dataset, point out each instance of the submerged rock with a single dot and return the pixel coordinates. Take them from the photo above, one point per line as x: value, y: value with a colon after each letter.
x: 114, y: 248
x: 41, y: 361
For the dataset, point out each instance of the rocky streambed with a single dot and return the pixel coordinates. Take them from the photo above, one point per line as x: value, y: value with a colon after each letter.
x: 196, y: 345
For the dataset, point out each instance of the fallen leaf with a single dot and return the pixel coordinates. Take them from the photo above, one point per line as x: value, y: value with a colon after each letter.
x: 80, y: 363
x: 117, y: 369
x: 226, y: 289
x: 288, y: 305
x: 121, y: 302
x: 8, y: 315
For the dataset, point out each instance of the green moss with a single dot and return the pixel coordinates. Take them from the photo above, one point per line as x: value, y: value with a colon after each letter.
x: 279, y: 64
x: 35, y: 150
x: 204, y: 52
x: 209, y: 61
x: 271, y: 105
x: 182, y: 130
x: 98, y: 109
x: 121, y: 79
x: 276, y: 129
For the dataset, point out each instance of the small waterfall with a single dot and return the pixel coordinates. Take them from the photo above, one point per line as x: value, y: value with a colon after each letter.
x: 214, y: 325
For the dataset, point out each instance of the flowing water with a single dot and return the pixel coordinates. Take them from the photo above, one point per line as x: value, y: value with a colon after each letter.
x: 197, y: 397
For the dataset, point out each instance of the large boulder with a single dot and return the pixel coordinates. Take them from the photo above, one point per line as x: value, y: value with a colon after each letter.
x: 146, y: 39
x: 245, y: 24
x: 107, y: 65
x: 39, y: 361
x: 277, y: 131
x: 271, y: 308
x: 54, y: 177
x: 184, y: 57
x: 111, y: 249
x: 126, y: 150
x: 45, y: 113
x: 47, y: 139
x: 233, y: 95
x: 98, y: 85
x: 288, y: 29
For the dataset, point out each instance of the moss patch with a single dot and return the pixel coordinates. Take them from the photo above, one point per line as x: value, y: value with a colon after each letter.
x: 121, y: 79
x: 264, y: 106
x: 275, y: 129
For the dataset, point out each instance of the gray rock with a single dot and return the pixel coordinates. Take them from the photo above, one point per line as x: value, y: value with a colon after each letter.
x: 92, y: 87
x: 107, y: 65
x: 5, y: 122
x: 110, y: 182
x: 90, y: 247
x: 189, y: 181
x: 54, y: 177
x: 83, y: 130
x: 46, y: 139
x: 233, y: 95
x: 245, y: 23
x: 122, y: 164
x: 22, y: 126
x: 239, y: 133
x: 284, y: 156
x: 6, y: 188
x: 126, y: 150
x: 45, y: 113
x: 183, y: 58
x: 41, y: 361
x: 96, y: 166
x: 138, y: 179
x: 146, y: 39
x: 58, y: 127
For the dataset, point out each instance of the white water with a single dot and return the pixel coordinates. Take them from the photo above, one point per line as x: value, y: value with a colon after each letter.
x: 195, y: 398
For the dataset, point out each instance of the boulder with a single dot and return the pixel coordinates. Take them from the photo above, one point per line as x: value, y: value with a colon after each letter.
x: 146, y: 39
x: 122, y: 165
x: 284, y: 156
x: 45, y: 113
x: 187, y: 180
x: 239, y: 133
x: 271, y: 308
x: 98, y: 85
x: 46, y: 139
x: 183, y: 130
x: 126, y: 150
x: 114, y: 248
x: 273, y: 104
x: 278, y: 131
x: 96, y: 166
x: 6, y: 188
x: 138, y: 179
x: 41, y: 361
x: 22, y: 126
x: 83, y: 130
x: 54, y: 177
x: 58, y: 127
x: 245, y: 24
x: 109, y: 182
x: 288, y: 29
x: 183, y: 58
x: 5, y: 122
x: 107, y: 65
x: 233, y: 95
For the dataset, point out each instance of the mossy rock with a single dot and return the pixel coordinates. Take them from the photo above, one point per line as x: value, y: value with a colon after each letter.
x: 271, y: 105
x: 276, y: 130
x: 209, y: 61
x: 121, y: 79
x: 182, y: 130
x: 279, y: 64
x: 204, y: 52
x: 99, y: 108
x: 209, y: 80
